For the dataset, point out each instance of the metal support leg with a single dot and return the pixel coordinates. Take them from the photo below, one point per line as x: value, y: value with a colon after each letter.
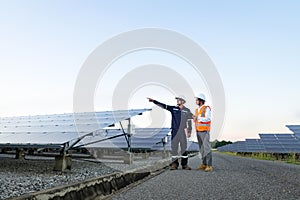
x: 20, y: 154
x: 128, y: 158
x: 63, y: 161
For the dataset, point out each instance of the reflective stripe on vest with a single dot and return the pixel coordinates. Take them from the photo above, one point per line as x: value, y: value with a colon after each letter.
x: 202, y: 126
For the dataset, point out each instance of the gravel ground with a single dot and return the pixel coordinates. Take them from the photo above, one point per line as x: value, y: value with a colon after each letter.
x: 34, y: 174
x: 19, y: 177
x: 232, y: 178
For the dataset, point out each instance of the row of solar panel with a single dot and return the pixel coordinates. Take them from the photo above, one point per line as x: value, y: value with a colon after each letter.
x: 269, y: 143
x: 56, y: 122
x: 41, y: 132
x: 65, y: 122
x: 77, y: 116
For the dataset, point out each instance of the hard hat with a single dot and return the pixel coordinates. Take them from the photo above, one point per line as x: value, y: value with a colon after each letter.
x: 181, y: 97
x: 201, y: 96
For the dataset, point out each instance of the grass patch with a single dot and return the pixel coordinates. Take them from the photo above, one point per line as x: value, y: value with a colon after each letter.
x: 228, y: 153
x: 290, y: 158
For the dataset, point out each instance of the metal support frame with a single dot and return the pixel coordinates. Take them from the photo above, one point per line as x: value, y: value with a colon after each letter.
x: 163, y: 142
x: 128, y: 134
x: 69, y: 145
x: 112, y: 137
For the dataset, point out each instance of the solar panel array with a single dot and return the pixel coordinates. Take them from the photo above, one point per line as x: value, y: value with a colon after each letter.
x: 54, y: 130
x: 268, y: 143
x: 295, y: 129
x: 280, y: 143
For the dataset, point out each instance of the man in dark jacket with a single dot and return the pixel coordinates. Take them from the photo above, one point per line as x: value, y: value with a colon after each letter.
x: 181, y: 124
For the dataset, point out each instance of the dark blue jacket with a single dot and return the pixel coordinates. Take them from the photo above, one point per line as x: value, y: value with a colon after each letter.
x: 180, y: 118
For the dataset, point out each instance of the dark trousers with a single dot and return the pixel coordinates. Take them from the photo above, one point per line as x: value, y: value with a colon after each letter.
x: 179, y: 137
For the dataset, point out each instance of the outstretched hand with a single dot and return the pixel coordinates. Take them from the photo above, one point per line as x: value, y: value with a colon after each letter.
x: 150, y: 99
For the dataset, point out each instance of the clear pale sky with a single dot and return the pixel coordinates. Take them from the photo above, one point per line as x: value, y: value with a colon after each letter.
x: 255, y: 46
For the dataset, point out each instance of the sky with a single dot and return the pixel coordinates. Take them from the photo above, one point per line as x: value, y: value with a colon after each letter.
x: 255, y: 46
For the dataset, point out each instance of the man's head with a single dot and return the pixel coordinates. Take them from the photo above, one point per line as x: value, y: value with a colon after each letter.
x: 200, y: 99
x: 180, y: 100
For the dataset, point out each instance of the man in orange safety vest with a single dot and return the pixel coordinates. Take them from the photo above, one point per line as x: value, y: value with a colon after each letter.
x: 202, y: 120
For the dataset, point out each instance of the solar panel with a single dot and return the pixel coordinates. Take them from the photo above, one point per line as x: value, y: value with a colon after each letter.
x: 58, y: 128
x: 249, y: 145
x: 294, y: 128
x: 38, y: 138
x: 271, y: 143
x: 65, y: 118
x: 144, y: 138
x: 280, y: 143
x: 225, y: 148
x: 241, y: 146
x: 229, y: 148
x: 254, y: 145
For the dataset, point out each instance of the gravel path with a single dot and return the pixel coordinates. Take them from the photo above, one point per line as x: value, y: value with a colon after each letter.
x: 232, y: 178
x: 34, y: 174
x: 19, y: 177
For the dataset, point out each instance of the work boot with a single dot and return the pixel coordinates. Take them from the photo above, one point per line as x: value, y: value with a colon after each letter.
x: 208, y: 169
x: 201, y: 167
x: 173, y: 166
x: 186, y: 167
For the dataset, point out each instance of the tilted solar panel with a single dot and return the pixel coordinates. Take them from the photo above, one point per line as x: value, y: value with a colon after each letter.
x: 294, y: 128
x: 254, y: 145
x: 58, y: 128
x: 280, y: 143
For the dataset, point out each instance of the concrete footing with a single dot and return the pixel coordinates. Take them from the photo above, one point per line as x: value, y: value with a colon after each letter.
x: 4, y: 150
x: 31, y: 152
x: 63, y: 162
x: 128, y: 158
x: 145, y: 155
x: 165, y: 154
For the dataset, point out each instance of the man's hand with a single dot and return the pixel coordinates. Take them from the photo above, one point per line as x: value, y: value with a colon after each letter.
x: 150, y: 99
x: 194, y: 117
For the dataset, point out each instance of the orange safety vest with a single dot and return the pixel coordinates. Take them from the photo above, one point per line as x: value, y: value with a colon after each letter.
x: 202, y: 126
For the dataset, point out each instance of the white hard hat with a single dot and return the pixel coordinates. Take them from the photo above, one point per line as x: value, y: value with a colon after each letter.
x: 181, y: 97
x: 201, y: 96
